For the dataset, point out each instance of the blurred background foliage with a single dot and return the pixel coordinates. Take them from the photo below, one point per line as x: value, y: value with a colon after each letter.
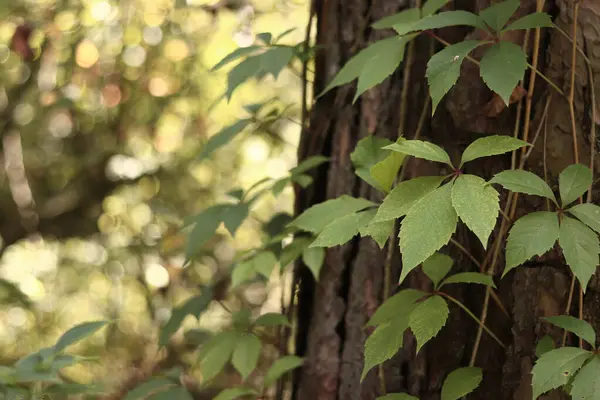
x: 104, y: 108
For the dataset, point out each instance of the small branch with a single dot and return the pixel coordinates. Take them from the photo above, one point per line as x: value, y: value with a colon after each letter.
x: 592, y: 129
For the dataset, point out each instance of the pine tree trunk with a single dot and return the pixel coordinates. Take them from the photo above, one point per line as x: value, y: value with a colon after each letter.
x: 333, y: 312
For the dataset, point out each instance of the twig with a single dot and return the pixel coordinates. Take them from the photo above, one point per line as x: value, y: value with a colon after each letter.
x: 592, y: 129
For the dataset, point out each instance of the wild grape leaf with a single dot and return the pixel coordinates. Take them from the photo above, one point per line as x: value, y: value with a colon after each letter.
x: 317, y: 217
x: 555, y: 368
x: 432, y: 6
x: 265, y: 37
x: 586, y: 385
x: 442, y: 20
x: 545, y: 345
x: 383, y: 343
x: 405, y: 16
x: 587, y: 213
x: 461, y: 382
x: 77, y: 333
x: 379, y: 231
x: 275, y: 59
x: 308, y: 164
x: 426, y: 228
x: 420, y: 149
x: 223, y: 137
x: 234, y: 55
x: 217, y: 352
x: 280, y: 367
x: 520, y: 181
x: 338, y: 232
x: 491, y: 146
x: 405, y: 195
x: 574, y: 181
x: 367, y: 153
x: 234, y: 215
x: 502, y: 67
x: 246, y: 354
x: 497, y: 15
x: 284, y: 34
x: 399, y: 305
x: 313, y: 258
x: 385, y: 171
x: 531, y: 21
x: 437, y: 267
x: 235, y: 393
x: 261, y: 263
x: 477, y: 204
x: 580, y: 247
x: 245, y: 70
x: 534, y: 234
x: 194, y: 306
x: 579, y: 327
x: 470, y: 277
x: 205, y: 226
x: 427, y: 319
x: 397, y: 396
x: 443, y: 69
x: 294, y: 250
x: 272, y: 319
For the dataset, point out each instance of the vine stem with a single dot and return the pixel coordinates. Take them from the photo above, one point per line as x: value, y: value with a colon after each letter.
x: 481, y: 324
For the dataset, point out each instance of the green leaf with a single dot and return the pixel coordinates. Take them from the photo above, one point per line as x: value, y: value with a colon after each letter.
x: 397, y: 396
x: 234, y: 55
x: 174, y: 393
x: 555, y: 368
x: 437, y: 267
x: 265, y: 37
x: 399, y: 305
x: 218, y: 351
x: 338, y: 232
x: 427, y: 319
x: 379, y: 231
x: 246, y: 354
x: 279, y: 185
x: 205, y: 226
x: 497, y: 15
x: 587, y: 213
x: 491, y: 146
x: 234, y: 216
x: 313, y: 258
x: 442, y: 20
x: 262, y: 263
x: 383, y: 343
x: 502, y: 67
x: 284, y: 34
x: 235, y: 393
x: 385, y: 171
x: 382, y: 65
x: 303, y: 180
x: 443, y: 69
x: 78, y: 333
x: 580, y: 247
x: 194, y: 306
x: 531, y: 21
x: 520, y: 181
x: 223, y: 137
x: 405, y: 195
x: 294, y: 250
x: 470, y: 190
x: 245, y: 70
x: 426, y: 228
x: 574, y: 181
x: 420, y: 149
x: 405, y: 16
x: 534, y: 234
x: 432, y: 6
x: 280, y: 367
x: 545, y: 345
x: 308, y: 164
x: 149, y: 387
x: 317, y: 217
x: 470, y: 277
x: 586, y: 385
x: 367, y: 153
x: 275, y: 59
x: 272, y: 319
x: 461, y: 382
x: 575, y: 325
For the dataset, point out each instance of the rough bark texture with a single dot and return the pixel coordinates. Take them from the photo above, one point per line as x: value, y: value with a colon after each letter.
x: 332, y: 313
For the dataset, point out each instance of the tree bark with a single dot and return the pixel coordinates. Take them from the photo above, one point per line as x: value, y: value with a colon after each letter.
x: 332, y: 312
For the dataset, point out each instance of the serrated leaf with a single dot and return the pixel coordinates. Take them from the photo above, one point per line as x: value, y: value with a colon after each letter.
x: 367, y: 153
x: 443, y: 69
x: 470, y: 277
x: 491, y: 146
x: 385, y: 171
x: 534, y: 234
x: 502, y: 67
x: 399, y: 305
x: 77, y: 333
x: 294, y: 250
x: 245, y: 70
x: 223, y: 137
x: 587, y: 213
x: 235, y: 393
x: 586, y: 385
x: 426, y: 228
x: 555, y: 368
x: 574, y: 181
x: 272, y: 319
x: 497, y: 15
x: 280, y: 367
x: 274, y: 60
x: 234, y: 55
x: 580, y: 247
x: 477, y: 204
x: 308, y: 164
x: 217, y: 352
x: 545, y: 345
x: 397, y: 396
x: 432, y: 6
x: 313, y: 258
x: 317, y: 217
x: 338, y: 232
x: 262, y: 263
x: 174, y: 393
x: 149, y: 387
x: 437, y: 267
x: 575, y: 325
x: 246, y: 354
x: 405, y: 16
x: 442, y: 20
x: 383, y: 343
x: 461, y: 382
x: 427, y: 319
x: 531, y: 21
x: 379, y: 231
x: 405, y: 195
x: 421, y: 149
x: 520, y: 181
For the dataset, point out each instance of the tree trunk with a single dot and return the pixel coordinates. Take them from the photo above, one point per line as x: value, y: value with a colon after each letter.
x: 333, y: 312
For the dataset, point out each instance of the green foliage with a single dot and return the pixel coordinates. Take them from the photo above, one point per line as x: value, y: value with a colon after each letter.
x: 497, y: 15
x: 194, y: 306
x: 427, y: 319
x: 379, y: 231
x: 272, y: 319
x: 223, y: 137
x: 555, y: 368
x: 531, y: 21
x: 502, y: 67
x: 442, y: 20
x: 545, y: 345
x: 587, y: 213
x: 148, y: 388
x: 580, y: 247
x: 524, y: 182
x: 374, y: 165
x: 586, y: 385
x: 573, y: 182
x: 469, y: 277
x: 339, y: 231
x: 399, y: 305
x: 235, y: 393
x: 314, y: 257
x: 437, y: 267
x: 575, y: 325
x: 400, y: 200
x: 246, y: 354
x: 77, y: 333
x: 404, y: 17
x: 214, y: 355
x: 461, y: 382
x: 491, y: 146
x: 281, y: 367
x: 384, y: 342
x: 261, y: 263
x: 421, y: 149
x: 317, y: 217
